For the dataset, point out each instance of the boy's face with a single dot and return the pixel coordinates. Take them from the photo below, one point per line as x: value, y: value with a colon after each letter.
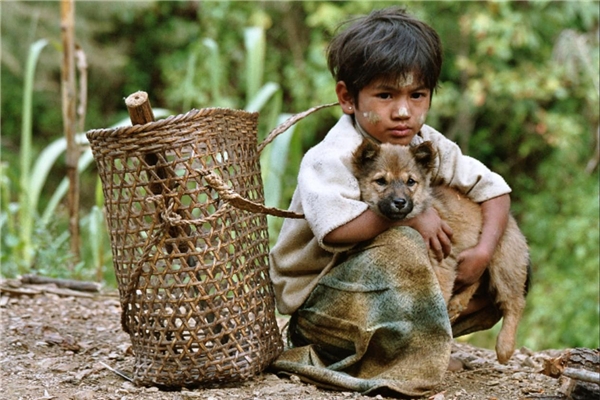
x: 390, y: 112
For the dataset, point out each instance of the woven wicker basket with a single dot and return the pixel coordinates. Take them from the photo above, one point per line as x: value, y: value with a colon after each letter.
x: 190, y: 245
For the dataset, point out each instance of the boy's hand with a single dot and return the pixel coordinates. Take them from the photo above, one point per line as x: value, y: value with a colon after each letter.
x: 472, y: 263
x: 436, y: 232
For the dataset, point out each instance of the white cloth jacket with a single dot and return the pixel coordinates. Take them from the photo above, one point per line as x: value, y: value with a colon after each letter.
x: 328, y: 195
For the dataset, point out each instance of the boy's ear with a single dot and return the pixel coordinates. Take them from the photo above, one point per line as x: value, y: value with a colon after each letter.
x: 424, y: 154
x: 365, y: 154
x: 344, y: 98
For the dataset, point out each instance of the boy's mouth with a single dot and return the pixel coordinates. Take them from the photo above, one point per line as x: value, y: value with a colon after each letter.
x: 401, y: 132
x: 401, y: 129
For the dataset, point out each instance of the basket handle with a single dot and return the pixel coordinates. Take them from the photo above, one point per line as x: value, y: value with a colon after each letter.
x: 288, y: 123
x: 240, y: 202
x: 236, y: 200
x: 226, y: 193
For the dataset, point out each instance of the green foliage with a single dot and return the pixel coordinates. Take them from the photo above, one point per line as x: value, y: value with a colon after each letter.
x: 561, y: 221
x: 27, y: 204
x: 566, y: 259
x: 519, y: 91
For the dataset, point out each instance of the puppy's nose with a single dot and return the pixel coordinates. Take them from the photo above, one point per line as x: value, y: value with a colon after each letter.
x: 399, y: 202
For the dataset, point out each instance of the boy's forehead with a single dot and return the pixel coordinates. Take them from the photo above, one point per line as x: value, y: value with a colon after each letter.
x: 399, y: 81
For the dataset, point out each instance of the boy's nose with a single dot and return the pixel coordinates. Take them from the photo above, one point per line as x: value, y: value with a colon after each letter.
x: 401, y: 111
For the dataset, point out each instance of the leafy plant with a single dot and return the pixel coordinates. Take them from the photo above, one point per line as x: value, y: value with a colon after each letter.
x: 561, y: 223
x: 27, y: 202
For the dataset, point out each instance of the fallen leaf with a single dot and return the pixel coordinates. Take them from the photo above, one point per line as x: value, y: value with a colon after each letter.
x: 438, y: 396
x: 67, y: 342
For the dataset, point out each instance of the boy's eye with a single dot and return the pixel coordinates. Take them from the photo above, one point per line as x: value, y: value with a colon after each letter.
x: 418, y: 95
x: 384, y: 96
x: 381, y: 181
x: 411, y: 182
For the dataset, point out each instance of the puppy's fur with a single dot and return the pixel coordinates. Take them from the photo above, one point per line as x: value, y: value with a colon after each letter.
x: 395, y: 182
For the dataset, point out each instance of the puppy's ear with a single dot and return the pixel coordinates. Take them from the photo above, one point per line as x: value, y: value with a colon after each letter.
x: 364, y: 154
x: 424, y: 154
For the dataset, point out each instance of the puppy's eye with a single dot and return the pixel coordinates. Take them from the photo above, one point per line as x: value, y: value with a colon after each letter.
x: 381, y: 181
x: 411, y: 182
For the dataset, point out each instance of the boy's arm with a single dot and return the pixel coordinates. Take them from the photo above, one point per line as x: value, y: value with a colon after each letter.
x: 364, y: 227
x: 474, y: 261
x: 435, y: 232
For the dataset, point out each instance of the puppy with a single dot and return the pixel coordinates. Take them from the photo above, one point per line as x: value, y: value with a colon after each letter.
x: 395, y: 182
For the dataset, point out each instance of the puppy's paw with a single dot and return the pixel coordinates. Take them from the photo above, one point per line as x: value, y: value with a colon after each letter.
x: 504, y: 352
x: 505, y: 345
x: 454, y: 310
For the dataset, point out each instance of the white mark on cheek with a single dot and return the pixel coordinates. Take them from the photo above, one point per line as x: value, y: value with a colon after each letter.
x: 403, y: 112
x: 422, y: 118
x: 372, y: 117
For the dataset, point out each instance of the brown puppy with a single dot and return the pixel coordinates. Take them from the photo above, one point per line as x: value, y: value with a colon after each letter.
x: 395, y: 182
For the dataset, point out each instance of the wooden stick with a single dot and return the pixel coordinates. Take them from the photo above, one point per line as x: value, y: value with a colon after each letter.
x: 83, y: 286
x: 116, y: 371
x: 67, y: 13
x: 140, y: 113
x: 140, y: 110
x: 82, y: 67
x: 582, y: 375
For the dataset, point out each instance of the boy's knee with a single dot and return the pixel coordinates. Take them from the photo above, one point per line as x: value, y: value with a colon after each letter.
x: 402, y: 234
x: 401, y: 241
x: 397, y: 254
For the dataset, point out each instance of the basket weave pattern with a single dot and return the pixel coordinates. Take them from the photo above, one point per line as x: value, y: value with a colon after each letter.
x: 191, y: 267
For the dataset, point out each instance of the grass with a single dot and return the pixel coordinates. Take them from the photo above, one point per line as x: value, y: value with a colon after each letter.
x: 37, y: 240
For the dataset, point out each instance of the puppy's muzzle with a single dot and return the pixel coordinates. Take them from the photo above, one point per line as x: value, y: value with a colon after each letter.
x: 396, y: 207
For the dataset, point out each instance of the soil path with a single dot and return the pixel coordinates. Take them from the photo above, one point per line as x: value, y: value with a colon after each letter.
x: 59, y: 347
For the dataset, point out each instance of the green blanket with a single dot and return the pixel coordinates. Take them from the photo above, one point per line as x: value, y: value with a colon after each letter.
x: 375, y: 323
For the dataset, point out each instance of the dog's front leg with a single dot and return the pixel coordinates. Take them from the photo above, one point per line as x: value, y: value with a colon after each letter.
x: 459, y: 302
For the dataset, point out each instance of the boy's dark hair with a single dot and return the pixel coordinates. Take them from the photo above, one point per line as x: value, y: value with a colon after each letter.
x: 387, y: 44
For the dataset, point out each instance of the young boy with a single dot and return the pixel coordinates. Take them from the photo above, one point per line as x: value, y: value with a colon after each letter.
x: 366, y: 311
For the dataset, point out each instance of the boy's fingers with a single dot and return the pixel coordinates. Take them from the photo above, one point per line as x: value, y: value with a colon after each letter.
x: 434, y: 244
x: 444, y: 237
x: 446, y: 246
x: 447, y: 230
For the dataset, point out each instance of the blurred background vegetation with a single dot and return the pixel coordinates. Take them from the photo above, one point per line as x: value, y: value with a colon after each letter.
x: 519, y: 92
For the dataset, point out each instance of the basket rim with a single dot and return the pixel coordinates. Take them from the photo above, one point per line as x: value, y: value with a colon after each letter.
x: 191, y: 115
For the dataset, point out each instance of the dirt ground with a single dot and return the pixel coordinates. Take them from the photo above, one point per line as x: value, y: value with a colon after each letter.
x: 68, y: 346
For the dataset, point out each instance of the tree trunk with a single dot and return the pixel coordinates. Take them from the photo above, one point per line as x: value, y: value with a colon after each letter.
x: 580, y: 370
x: 67, y: 12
